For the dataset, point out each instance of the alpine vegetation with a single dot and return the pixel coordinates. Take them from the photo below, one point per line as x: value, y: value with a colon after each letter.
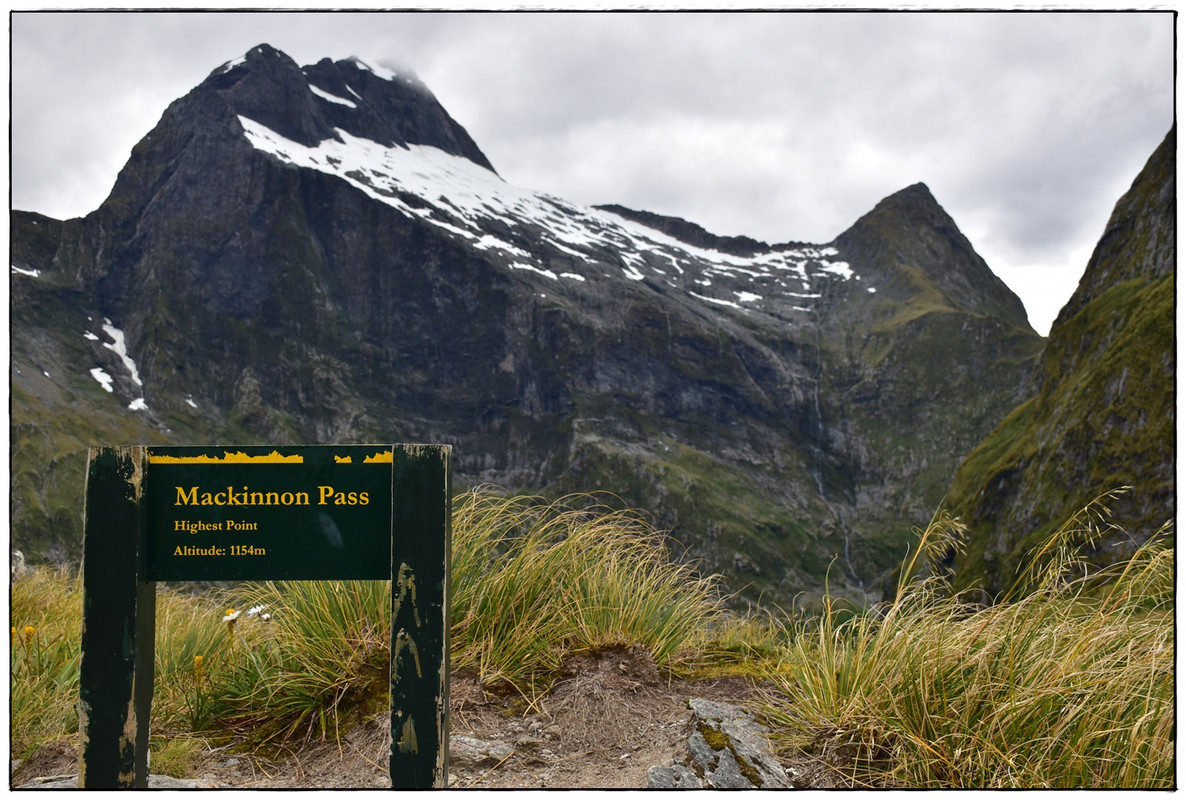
x: 1070, y: 684
x: 1067, y: 685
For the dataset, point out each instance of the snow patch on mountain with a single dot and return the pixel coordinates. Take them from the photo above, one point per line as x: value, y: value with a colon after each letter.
x: 381, y: 72
x: 333, y: 98
x: 105, y: 380
x: 716, y: 301
x: 547, y: 273
x: 474, y: 203
x: 118, y: 345
x: 230, y: 65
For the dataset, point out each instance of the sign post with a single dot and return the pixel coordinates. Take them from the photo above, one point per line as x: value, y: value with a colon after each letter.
x: 341, y: 512
x: 118, y: 622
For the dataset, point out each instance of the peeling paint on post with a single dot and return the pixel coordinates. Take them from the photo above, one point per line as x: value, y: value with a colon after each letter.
x: 118, y: 624
x: 420, y: 571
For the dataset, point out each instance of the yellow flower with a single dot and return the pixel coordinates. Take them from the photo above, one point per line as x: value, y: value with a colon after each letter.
x: 198, y: 669
x: 28, y: 635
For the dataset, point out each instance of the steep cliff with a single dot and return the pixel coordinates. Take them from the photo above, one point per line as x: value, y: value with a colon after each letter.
x: 303, y: 255
x: 1103, y: 413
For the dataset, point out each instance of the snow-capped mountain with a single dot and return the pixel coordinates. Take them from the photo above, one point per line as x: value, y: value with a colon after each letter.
x: 322, y: 254
x: 471, y: 202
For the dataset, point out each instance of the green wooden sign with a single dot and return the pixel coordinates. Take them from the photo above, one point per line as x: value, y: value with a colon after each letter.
x: 256, y: 513
x: 349, y: 512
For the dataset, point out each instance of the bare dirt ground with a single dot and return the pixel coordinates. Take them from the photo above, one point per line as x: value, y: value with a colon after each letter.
x: 605, y: 722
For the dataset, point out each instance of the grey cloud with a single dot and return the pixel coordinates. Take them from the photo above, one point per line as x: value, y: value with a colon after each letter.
x: 777, y: 126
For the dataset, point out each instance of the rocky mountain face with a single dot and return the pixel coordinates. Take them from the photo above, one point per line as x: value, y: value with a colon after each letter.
x: 317, y: 254
x: 1102, y: 416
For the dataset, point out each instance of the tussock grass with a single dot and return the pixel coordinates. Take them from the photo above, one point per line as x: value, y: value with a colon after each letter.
x: 1068, y: 685
x: 46, y: 615
x: 176, y: 755
x: 187, y: 630
x: 318, y: 663
x: 1064, y: 681
x: 535, y: 581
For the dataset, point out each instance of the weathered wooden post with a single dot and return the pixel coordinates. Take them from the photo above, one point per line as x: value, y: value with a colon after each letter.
x: 420, y: 572
x: 348, y: 512
x: 118, y: 624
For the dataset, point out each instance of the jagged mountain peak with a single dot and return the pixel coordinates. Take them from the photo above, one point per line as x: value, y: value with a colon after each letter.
x: 906, y: 210
x: 916, y: 190
x: 328, y: 102
x: 313, y: 103
x: 260, y: 53
x: 911, y: 229
x: 385, y: 134
x: 1145, y: 213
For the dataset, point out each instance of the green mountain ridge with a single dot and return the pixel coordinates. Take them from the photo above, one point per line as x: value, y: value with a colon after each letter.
x: 1103, y: 413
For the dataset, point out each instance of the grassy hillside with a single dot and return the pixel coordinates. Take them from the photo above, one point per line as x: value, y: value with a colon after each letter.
x: 1103, y: 413
x: 1069, y: 686
x: 1106, y: 423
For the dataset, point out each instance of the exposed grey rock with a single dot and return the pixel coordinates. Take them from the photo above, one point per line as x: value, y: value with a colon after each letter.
x: 727, y: 749
x: 51, y: 782
x: 470, y: 751
x: 739, y: 745
x: 18, y: 565
x: 721, y: 767
x: 677, y: 776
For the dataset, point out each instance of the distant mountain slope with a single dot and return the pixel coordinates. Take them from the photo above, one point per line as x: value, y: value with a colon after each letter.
x: 303, y: 255
x: 1103, y: 415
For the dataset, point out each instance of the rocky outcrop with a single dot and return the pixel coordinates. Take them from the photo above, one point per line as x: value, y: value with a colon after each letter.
x: 690, y: 232
x: 727, y: 749
x: 468, y: 752
x: 17, y: 566
x: 910, y: 230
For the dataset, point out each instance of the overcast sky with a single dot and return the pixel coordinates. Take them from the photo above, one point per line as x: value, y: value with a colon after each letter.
x: 1026, y: 127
